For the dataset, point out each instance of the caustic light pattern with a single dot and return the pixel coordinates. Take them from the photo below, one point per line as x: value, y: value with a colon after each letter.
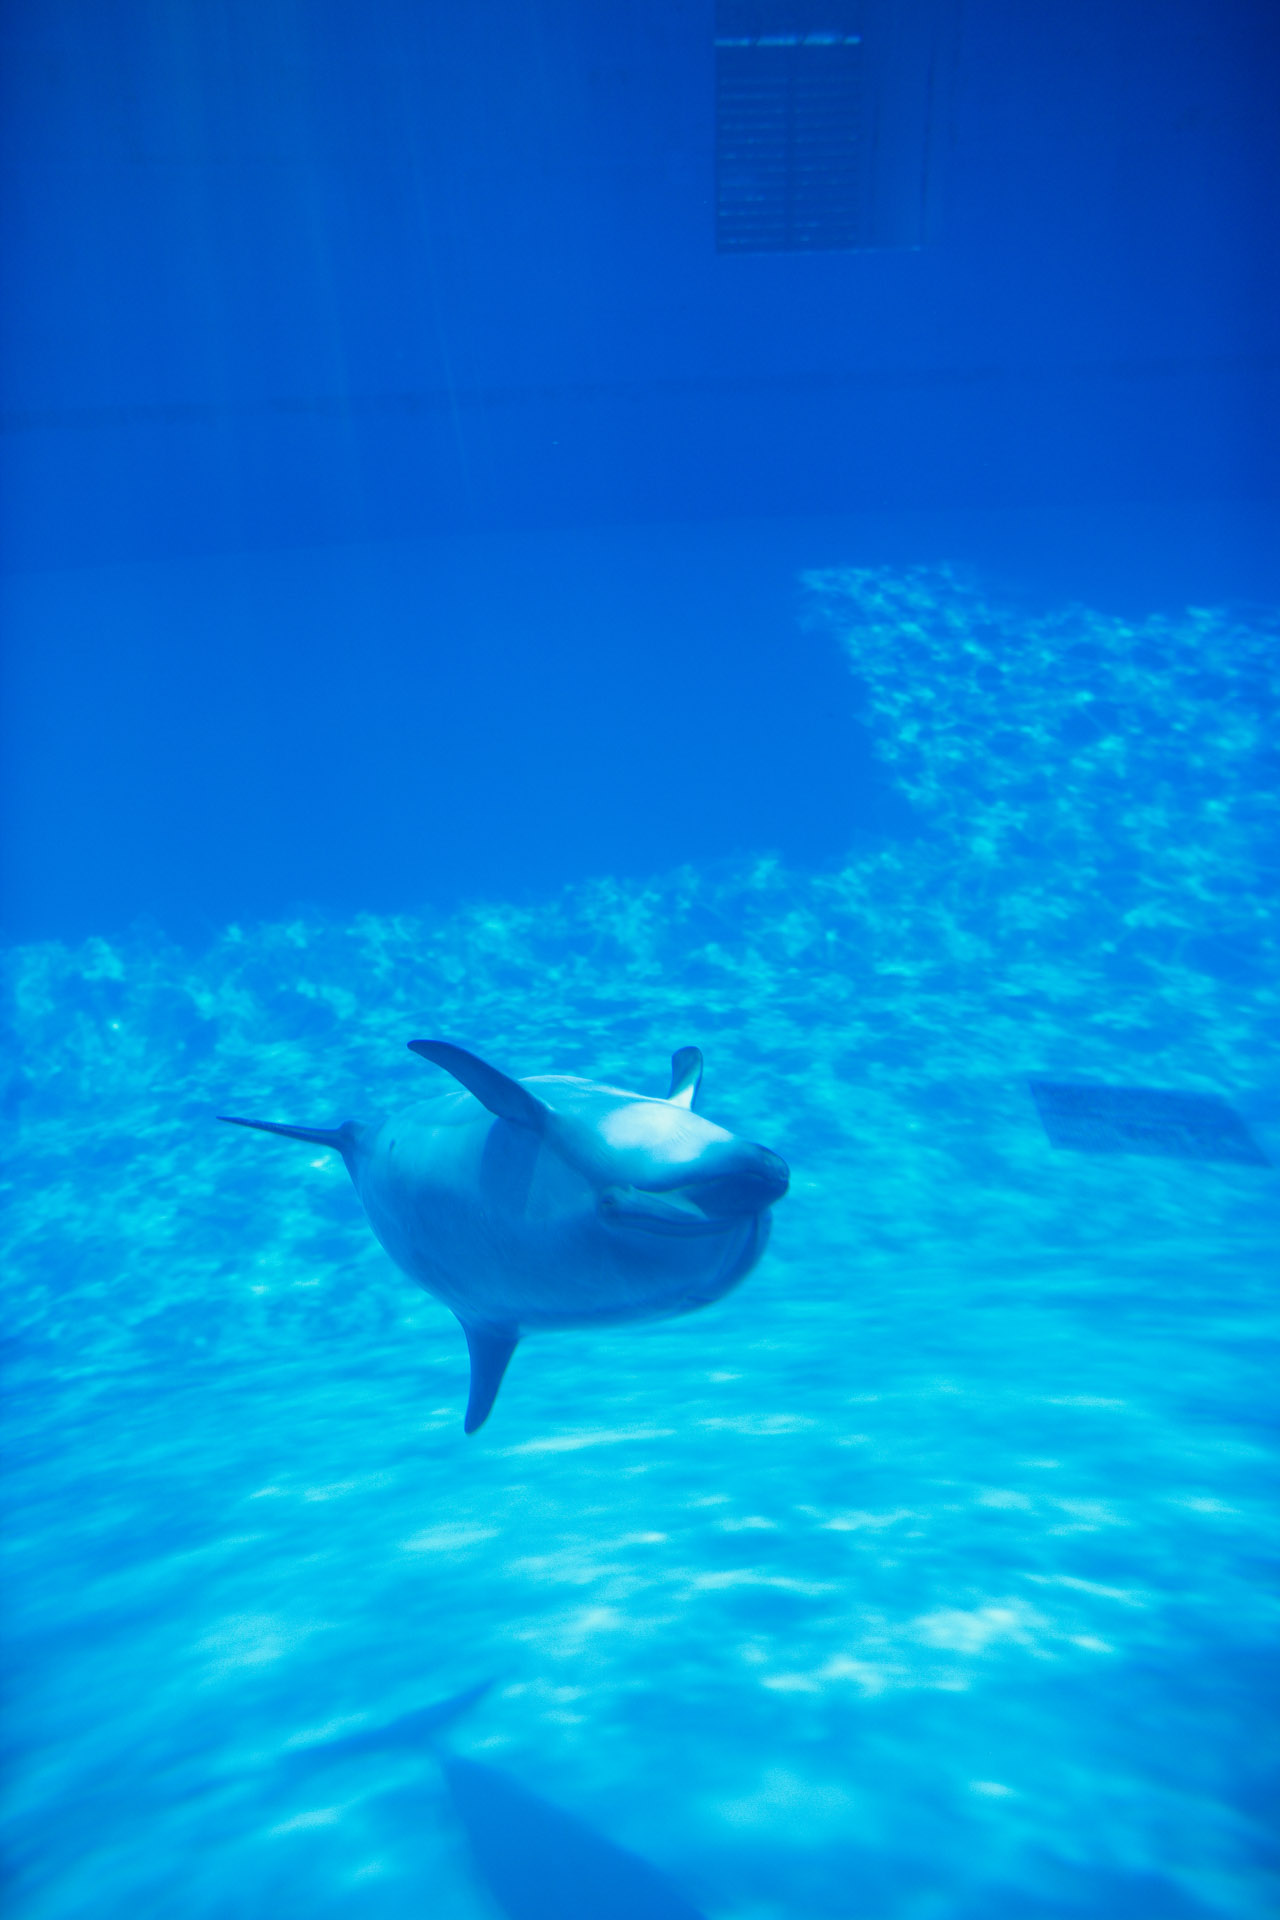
x: 926, y: 1574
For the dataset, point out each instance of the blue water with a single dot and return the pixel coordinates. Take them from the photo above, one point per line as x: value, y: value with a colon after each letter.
x: 929, y: 1574
x: 442, y: 596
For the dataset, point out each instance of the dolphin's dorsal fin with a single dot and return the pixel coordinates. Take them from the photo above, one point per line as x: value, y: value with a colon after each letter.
x: 490, y: 1349
x: 686, y: 1076
x: 498, y: 1092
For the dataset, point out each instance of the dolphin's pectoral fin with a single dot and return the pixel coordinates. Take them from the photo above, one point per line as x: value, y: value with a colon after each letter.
x: 490, y: 1349
x: 497, y: 1091
x: 686, y: 1076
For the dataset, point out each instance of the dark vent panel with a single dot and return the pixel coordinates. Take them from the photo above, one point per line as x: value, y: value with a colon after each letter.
x: 1172, y: 1126
x: 826, y: 116
x: 787, y: 111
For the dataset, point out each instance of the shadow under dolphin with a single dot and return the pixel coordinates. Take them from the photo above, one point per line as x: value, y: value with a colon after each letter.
x: 537, y: 1861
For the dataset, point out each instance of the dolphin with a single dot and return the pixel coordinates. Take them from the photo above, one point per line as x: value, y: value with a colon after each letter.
x: 555, y: 1202
x: 538, y: 1861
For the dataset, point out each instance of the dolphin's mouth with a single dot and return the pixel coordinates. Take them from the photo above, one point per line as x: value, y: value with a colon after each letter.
x: 701, y: 1206
x: 665, y: 1213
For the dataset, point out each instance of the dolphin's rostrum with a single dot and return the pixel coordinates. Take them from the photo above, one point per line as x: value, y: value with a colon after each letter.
x: 555, y: 1202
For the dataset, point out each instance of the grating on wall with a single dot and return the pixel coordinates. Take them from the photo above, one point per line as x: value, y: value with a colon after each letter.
x: 826, y: 121
x: 787, y: 107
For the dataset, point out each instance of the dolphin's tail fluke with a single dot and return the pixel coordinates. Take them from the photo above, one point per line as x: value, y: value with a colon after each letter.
x: 341, y: 1139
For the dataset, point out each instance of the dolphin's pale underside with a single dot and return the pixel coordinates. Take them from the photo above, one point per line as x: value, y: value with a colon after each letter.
x: 555, y: 1202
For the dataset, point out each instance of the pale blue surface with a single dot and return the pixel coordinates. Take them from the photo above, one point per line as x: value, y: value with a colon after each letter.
x: 930, y: 1574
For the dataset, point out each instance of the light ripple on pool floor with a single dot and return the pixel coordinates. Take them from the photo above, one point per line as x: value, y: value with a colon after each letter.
x: 923, y: 1575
